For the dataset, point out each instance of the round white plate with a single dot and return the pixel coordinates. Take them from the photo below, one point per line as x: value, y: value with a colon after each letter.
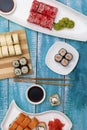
x: 57, y: 67
x: 14, y: 111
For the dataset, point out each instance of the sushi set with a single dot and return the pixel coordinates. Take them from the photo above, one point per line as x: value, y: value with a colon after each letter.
x: 50, y: 17
x: 14, y: 54
x: 19, y: 120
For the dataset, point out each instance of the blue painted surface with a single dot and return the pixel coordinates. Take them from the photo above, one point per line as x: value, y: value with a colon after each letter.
x: 73, y: 99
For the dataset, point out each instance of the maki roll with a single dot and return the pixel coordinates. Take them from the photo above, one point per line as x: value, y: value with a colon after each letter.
x: 23, y: 61
x: 17, y: 71
x: 69, y: 56
x: 64, y: 62
x: 62, y: 52
x: 54, y: 100
x: 16, y: 63
x: 24, y: 69
x: 34, y: 122
x: 58, y: 58
x: 41, y: 126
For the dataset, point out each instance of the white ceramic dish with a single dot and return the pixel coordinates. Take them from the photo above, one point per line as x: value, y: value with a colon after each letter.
x: 79, y: 32
x: 10, y: 12
x: 44, y: 94
x: 45, y: 116
x: 57, y: 67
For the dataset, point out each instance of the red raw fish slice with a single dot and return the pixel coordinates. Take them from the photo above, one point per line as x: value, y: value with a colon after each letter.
x: 31, y: 17
x: 38, y: 18
x: 43, y: 21
x: 46, y: 10
x: 35, y: 6
x: 41, y: 8
x: 49, y: 23
x: 53, y: 12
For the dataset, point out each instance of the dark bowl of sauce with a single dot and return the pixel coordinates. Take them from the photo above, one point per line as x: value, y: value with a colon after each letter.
x: 7, y: 6
x: 35, y: 94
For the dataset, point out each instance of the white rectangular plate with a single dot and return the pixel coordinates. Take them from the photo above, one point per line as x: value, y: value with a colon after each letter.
x: 57, y: 67
x: 21, y: 14
x: 14, y: 111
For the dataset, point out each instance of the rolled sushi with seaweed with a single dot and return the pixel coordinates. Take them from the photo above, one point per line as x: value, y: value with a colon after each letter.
x: 16, y: 63
x: 23, y: 61
x: 62, y: 52
x: 25, y: 69
x: 69, y: 56
x: 17, y: 71
x: 58, y: 58
x: 64, y: 62
x: 41, y: 126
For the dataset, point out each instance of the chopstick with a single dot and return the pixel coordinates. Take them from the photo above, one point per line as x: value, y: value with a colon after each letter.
x: 55, y: 79
x: 33, y: 80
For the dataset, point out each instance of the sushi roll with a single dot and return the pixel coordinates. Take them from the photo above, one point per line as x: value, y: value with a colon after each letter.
x: 1, y: 53
x: 41, y: 126
x: 16, y: 63
x: 2, y: 40
x: 27, y: 128
x: 15, y: 38
x: 34, y: 122
x: 58, y: 58
x: 25, y: 122
x: 20, y: 118
x: 64, y: 62
x: 54, y: 100
x: 17, y: 49
x: 17, y: 71
x: 19, y: 128
x: 62, y: 52
x: 23, y: 61
x: 69, y: 56
x: 24, y: 69
x: 9, y: 40
x: 13, y: 126
x: 5, y: 51
x: 11, y: 50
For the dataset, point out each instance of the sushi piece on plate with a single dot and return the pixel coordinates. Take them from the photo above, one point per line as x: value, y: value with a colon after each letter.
x: 38, y: 18
x: 5, y: 51
x: 27, y: 128
x: 24, y: 69
x: 41, y: 126
x: 11, y: 50
x: 25, y: 122
x: 35, y: 6
x: 23, y: 61
x: 1, y: 53
x: 9, y: 39
x: 15, y: 38
x: 69, y: 56
x: 20, y: 118
x: 19, y: 128
x: 2, y: 40
x: 49, y: 23
x: 54, y: 100
x: 62, y: 52
x: 31, y: 17
x: 16, y: 63
x: 58, y: 58
x: 17, y: 71
x: 41, y: 8
x: 43, y: 21
x: 17, y: 49
x: 33, y: 123
x: 64, y: 62
x: 13, y: 126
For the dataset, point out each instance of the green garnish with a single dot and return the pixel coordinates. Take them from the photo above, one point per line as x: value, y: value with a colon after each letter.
x: 64, y: 23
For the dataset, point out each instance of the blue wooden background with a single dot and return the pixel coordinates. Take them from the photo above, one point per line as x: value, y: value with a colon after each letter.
x: 73, y: 99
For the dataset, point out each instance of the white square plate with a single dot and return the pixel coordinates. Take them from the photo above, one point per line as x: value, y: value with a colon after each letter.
x: 57, y: 67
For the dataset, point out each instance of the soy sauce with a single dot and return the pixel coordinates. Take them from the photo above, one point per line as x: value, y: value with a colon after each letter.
x: 35, y: 94
x: 6, y: 5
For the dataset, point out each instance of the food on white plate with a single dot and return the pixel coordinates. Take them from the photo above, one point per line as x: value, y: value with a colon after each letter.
x: 15, y: 38
x: 42, y: 14
x: 34, y: 122
x: 18, y: 50
x: 1, y: 53
x: 64, y: 23
x: 55, y: 124
x: 13, y: 126
x: 63, y: 57
x: 27, y: 128
x: 9, y: 39
x: 25, y: 122
x: 11, y: 50
x: 2, y: 40
x: 4, y: 51
x: 41, y: 126
x: 54, y: 100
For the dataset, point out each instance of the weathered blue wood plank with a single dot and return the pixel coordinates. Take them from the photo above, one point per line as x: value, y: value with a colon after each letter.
x: 76, y: 97
x: 3, y: 83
